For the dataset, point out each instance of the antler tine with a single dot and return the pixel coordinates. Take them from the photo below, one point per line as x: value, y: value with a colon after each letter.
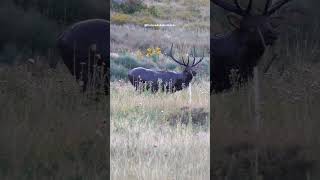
x: 199, y: 60
x: 229, y: 7
x: 174, y: 59
x: 277, y: 6
x: 182, y: 60
x: 184, y: 63
x: 194, y: 55
x: 249, y: 7
x: 236, y: 2
x: 266, y: 7
x: 188, y: 61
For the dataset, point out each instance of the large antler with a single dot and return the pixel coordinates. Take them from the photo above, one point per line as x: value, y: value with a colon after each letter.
x: 194, y: 63
x: 174, y: 59
x: 234, y: 8
x: 266, y: 7
x: 277, y: 6
x: 194, y: 58
x: 243, y: 12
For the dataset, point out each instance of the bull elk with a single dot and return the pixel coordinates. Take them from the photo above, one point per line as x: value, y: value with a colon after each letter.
x: 167, y: 81
x: 84, y: 48
x: 242, y: 48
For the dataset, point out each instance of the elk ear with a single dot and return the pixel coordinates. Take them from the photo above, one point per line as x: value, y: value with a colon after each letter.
x: 234, y: 20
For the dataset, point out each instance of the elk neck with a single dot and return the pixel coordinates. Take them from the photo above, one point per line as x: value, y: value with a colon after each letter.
x: 252, y: 40
x: 187, y: 76
x: 251, y: 49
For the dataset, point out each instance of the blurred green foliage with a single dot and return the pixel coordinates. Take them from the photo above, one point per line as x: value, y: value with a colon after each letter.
x: 30, y: 27
x: 129, y: 6
x: 120, y: 66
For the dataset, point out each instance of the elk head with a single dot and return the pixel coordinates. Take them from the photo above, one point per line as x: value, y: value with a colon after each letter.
x: 259, y: 28
x: 189, y: 71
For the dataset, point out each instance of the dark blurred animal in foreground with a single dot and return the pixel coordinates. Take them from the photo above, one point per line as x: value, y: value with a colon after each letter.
x: 241, y: 49
x: 167, y: 81
x: 84, y: 48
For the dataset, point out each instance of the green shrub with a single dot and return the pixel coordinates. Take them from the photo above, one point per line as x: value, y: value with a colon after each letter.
x: 147, y: 63
x: 129, y: 6
x: 153, y: 10
x: 120, y: 18
x: 118, y: 71
x: 144, y: 20
x: 127, y: 62
x: 171, y: 66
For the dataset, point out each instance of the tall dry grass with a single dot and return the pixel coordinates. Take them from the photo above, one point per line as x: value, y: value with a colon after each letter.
x: 145, y: 146
x: 146, y: 140
x: 288, y: 137
x: 49, y: 130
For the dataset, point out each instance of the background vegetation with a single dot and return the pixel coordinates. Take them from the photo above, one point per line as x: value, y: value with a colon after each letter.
x: 30, y: 28
x: 51, y: 131
x: 287, y: 140
x: 152, y: 136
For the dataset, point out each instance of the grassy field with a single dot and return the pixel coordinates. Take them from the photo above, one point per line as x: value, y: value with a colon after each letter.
x: 191, y: 20
x: 49, y: 130
x: 288, y: 139
x: 148, y: 140
x: 150, y: 136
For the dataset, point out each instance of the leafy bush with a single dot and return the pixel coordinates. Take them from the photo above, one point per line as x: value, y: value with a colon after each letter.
x: 153, y: 10
x: 147, y: 63
x: 127, y: 62
x: 171, y: 66
x: 129, y: 6
x: 144, y: 20
x: 121, y: 65
x: 118, y: 71
x: 120, y: 18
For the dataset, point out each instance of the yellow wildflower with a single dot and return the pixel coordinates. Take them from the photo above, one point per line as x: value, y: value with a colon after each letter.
x: 149, y: 52
x: 158, y: 51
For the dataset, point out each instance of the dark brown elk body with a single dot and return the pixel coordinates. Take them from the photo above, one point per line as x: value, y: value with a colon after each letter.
x: 241, y: 49
x: 167, y: 81
x: 84, y: 48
